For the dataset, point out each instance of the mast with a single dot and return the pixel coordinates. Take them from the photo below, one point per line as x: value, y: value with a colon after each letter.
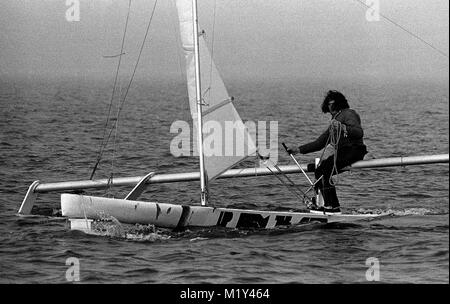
x: 203, y: 180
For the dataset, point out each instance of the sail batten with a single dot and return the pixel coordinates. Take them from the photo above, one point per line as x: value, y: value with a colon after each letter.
x: 226, y: 140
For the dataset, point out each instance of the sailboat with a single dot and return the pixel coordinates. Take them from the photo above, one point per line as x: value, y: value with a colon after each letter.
x: 210, y: 104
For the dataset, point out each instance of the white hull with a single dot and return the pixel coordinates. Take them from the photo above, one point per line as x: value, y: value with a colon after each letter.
x: 87, y: 208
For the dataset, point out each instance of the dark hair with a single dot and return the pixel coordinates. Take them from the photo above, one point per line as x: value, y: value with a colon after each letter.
x: 340, y: 102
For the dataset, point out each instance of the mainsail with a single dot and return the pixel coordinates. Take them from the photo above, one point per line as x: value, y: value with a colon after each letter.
x: 226, y: 139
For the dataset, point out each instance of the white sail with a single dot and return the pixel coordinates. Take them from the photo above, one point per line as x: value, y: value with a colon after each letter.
x: 226, y: 139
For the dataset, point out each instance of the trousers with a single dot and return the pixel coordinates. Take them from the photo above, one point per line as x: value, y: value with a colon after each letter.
x: 345, y: 157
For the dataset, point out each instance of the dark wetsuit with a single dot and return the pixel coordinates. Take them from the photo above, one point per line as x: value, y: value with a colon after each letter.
x: 351, y: 149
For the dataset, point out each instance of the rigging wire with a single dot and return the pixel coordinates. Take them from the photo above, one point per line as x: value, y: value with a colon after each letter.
x: 302, y: 196
x: 119, y: 110
x: 103, y: 143
x: 407, y: 31
x: 126, y: 94
x: 113, y: 56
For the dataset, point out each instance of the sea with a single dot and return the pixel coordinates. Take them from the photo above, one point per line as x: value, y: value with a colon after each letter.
x: 51, y: 130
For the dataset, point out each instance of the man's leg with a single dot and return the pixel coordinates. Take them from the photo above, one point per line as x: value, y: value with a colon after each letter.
x: 328, y: 190
x: 346, y: 157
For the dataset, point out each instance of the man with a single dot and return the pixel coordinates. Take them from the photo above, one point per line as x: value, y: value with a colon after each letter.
x: 346, y: 135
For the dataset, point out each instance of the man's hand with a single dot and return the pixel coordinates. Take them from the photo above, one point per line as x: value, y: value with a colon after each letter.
x: 344, y: 128
x: 293, y: 151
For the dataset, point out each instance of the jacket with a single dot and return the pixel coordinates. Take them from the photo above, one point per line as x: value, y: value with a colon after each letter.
x: 354, y: 137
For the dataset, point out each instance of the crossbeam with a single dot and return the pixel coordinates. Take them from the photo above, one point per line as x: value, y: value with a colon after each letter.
x: 157, y: 178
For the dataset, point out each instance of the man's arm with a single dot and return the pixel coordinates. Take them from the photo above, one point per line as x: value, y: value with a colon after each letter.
x: 353, y: 126
x: 316, y: 145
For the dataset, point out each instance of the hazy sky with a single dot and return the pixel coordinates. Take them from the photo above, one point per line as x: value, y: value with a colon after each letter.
x: 264, y: 38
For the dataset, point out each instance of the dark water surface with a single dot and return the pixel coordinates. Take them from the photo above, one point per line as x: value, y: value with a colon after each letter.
x: 51, y: 131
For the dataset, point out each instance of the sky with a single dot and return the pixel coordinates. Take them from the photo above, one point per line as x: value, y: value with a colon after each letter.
x: 250, y: 38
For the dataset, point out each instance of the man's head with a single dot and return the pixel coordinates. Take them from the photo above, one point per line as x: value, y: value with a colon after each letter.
x: 334, y: 102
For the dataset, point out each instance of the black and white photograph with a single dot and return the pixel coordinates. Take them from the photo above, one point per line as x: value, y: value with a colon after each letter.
x: 224, y: 148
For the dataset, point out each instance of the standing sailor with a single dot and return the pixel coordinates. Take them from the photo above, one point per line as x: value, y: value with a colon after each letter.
x: 345, y: 134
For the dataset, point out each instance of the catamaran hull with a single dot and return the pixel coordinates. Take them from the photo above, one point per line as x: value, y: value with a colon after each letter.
x: 90, y: 208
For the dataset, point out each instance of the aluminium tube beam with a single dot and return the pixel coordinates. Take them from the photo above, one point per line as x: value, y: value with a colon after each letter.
x: 232, y: 173
x: 152, y: 178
